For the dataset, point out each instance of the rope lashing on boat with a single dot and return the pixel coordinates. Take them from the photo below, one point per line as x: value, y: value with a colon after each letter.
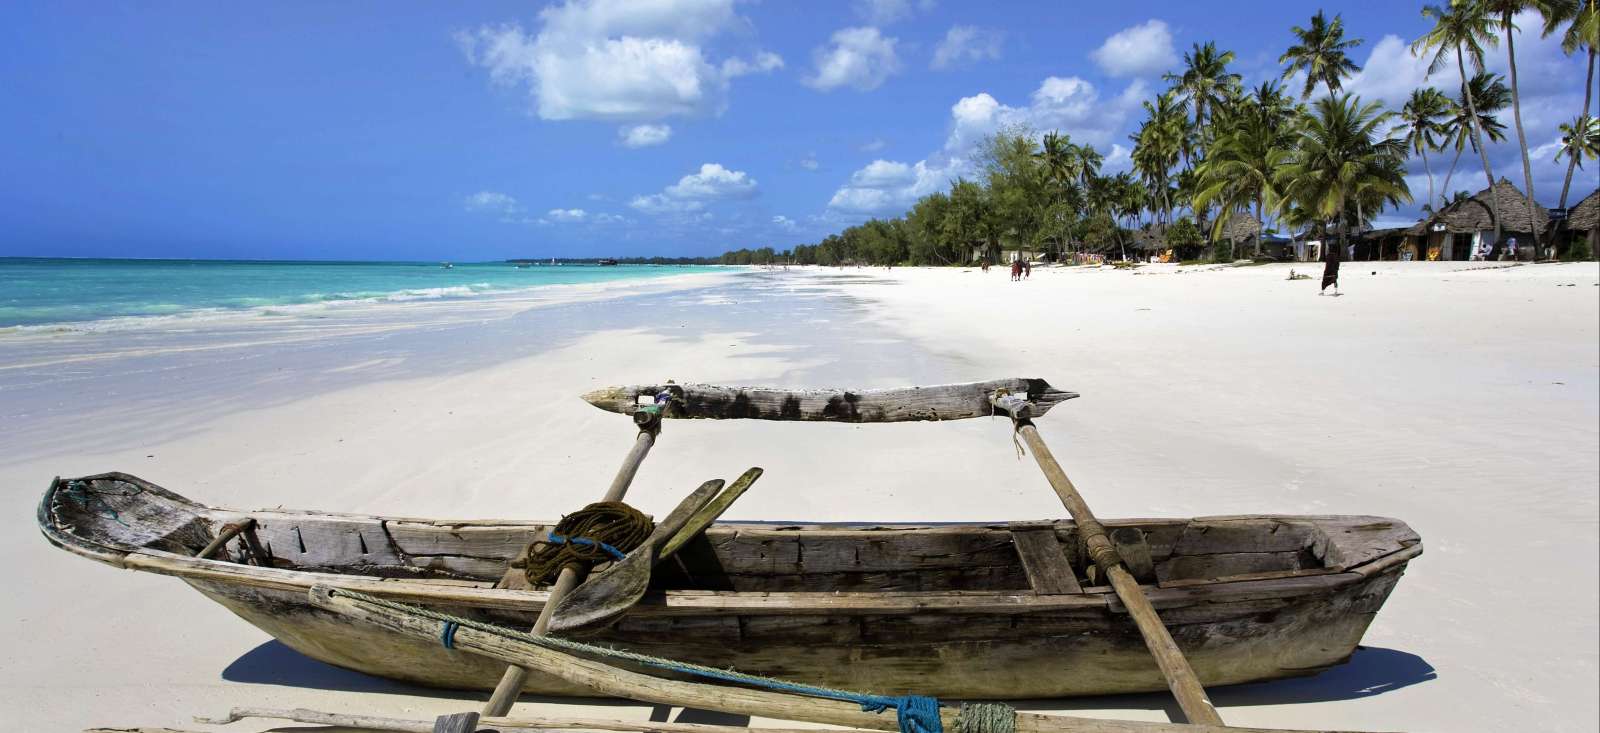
x: 986, y: 717
x: 447, y: 634
x: 914, y: 713
x: 85, y: 497
x: 1012, y: 404
x: 601, y: 532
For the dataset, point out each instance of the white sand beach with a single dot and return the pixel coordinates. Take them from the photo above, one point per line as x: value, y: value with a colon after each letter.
x: 1463, y: 400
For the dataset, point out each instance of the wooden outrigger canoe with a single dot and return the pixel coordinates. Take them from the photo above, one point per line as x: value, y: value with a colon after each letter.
x: 986, y: 611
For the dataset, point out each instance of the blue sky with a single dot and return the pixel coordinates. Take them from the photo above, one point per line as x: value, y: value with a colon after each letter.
x: 489, y: 130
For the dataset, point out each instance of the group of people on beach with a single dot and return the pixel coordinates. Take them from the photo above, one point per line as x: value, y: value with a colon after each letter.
x: 1020, y: 269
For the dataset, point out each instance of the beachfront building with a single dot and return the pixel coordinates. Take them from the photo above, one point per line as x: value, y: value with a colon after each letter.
x: 1465, y: 229
x: 1582, y: 225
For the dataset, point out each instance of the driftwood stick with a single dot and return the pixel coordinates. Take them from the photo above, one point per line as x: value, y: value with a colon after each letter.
x: 943, y: 402
x: 371, y: 722
x: 1181, y: 679
x: 229, y: 531
x: 611, y: 681
x: 510, y: 686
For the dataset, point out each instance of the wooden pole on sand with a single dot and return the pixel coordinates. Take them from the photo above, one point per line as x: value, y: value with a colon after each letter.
x: 510, y: 685
x: 1181, y: 679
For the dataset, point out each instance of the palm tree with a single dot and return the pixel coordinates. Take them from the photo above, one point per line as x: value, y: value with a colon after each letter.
x: 1490, y: 95
x: 1583, y: 32
x: 1580, y: 139
x: 1423, y: 118
x: 1057, y: 162
x: 1463, y: 28
x: 1321, y: 54
x: 1157, y: 146
x: 1339, y: 158
x: 1503, y: 11
x: 1205, y: 82
x: 1239, y: 172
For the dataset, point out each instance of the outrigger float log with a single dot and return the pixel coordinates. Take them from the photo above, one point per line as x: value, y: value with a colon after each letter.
x: 976, y: 611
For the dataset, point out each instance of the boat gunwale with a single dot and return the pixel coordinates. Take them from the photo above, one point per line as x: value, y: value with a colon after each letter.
x: 680, y: 602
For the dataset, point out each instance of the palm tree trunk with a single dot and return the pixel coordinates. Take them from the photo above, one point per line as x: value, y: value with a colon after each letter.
x: 1445, y: 193
x: 1427, y: 170
x: 1522, y: 138
x: 1572, y: 162
x: 1261, y: 226
x: 1477, y: 142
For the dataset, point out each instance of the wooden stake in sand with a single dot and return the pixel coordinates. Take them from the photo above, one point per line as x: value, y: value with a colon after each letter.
x: 1174, y: 666
x: 649, y: 422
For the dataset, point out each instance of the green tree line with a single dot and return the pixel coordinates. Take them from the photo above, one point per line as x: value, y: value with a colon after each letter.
x: 1209, y: 151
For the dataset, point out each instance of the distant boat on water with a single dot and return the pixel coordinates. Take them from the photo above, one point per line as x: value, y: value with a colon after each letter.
x: 446, y: 266
x: 607, y: 262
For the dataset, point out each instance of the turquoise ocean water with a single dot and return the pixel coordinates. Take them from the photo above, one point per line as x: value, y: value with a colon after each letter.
x: 44, y: 291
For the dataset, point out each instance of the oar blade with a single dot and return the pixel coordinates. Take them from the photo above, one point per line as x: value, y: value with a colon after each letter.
x: 610, y: 594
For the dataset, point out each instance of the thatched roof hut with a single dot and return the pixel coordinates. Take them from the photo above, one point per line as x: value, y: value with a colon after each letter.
x: 1586, y: 215
x: 1241, y: 227
x: 1476, y: 214
x: 1151, y: 238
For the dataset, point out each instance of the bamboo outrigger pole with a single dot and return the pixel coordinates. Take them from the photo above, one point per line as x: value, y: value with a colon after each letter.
x: 1181, y: 679
x: 649, y: 422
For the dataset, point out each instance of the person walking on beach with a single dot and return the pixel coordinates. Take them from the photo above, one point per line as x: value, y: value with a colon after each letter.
x: 1027, y: 269
x: 1330, y: 270
x: 1016, y: 270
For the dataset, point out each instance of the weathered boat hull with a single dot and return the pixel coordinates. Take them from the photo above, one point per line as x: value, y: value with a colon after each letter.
x: 973, y: 642
x: 1040, y: 656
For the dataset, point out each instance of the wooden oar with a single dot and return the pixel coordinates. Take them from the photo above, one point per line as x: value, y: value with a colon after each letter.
x: 611, y: 681
x: 1181, y: 679
x: 943, y: 402
x: 402, y: 725
x: 614, y: 591
x: 710, y: 512
x: 649, y: 422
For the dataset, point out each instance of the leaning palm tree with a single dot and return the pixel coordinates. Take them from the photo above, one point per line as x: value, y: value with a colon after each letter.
x: 1462, y: 29
x: 1157, y: 146
x: 1580, y: 139
x: 1320, y: 52
x: 1340, y: 157
x: 1423, y: 118
x: 1583, y: 32
x: 1503, y: 13
x: 1490, y: 95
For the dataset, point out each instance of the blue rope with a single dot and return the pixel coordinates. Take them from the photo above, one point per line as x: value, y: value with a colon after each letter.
x: 557, y: 539
x: 447, y: 634
x: 914, y: 713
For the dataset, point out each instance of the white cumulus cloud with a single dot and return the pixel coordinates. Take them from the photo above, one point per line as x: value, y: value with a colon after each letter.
x: 643, y: 136
x: 1066, y: 104
x: 625, y: 60
x: 884, y: 12
x: 1142, y: 50
x: 492, y: 201
x: 860, y: 58
x: 964, y: 44
x: 785, y: 223
x: 713, y: 182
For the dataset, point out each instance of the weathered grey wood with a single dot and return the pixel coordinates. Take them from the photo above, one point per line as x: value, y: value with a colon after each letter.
x: 611, y: 593
x: 456, y: 723
x: 705, y: 515
x: 942, y: 402
x: 608, y: 680
x: 1180, y: 676
x: 1045, y: 561
x: 1135, y: 553
x: 229, y: 531
x: 400, y: 725
x: 991, y: 638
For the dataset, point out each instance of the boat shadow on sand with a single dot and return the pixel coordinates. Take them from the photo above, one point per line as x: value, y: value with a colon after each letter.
x: 1370, y: 671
